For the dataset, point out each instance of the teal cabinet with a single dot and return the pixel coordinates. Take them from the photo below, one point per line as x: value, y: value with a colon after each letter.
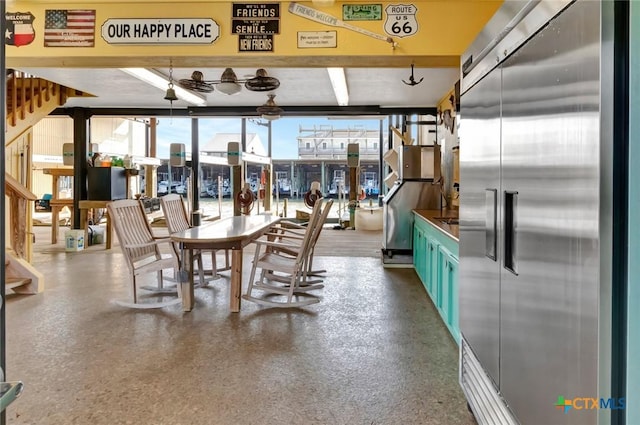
x: 435, y: 259
x: 448, y: 281
x: 420, y: 256
x: 431, y: 273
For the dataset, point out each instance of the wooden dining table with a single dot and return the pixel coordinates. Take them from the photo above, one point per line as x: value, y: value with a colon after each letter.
x: 233, y: 233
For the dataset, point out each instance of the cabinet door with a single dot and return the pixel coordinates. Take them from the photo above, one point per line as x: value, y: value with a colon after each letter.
x: 550, y: 292
x: 416, y: 248
x: 444, y: 280
x: 452, y: 285
x: 419, y: 253
x: 431, y: 267
x: 448, y: 283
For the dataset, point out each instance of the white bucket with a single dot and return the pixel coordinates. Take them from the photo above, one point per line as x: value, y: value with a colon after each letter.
x: 74, y: 240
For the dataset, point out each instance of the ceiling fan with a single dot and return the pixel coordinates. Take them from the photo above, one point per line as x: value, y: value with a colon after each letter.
x: 270, y: 111
x: 229, y: 82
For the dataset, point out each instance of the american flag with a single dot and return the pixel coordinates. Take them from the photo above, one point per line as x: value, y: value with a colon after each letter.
x: 69, y: 28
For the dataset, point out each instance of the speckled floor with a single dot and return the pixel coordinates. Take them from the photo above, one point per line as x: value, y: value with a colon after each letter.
x: 373, y: 351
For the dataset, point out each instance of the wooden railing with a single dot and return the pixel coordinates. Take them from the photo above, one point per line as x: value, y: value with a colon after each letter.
x: 19, y: 213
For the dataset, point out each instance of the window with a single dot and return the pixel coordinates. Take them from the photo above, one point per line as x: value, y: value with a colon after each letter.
x: 342, y: 145
x: 307, y: 145
x: 324, y: 145
x: 375, y: 145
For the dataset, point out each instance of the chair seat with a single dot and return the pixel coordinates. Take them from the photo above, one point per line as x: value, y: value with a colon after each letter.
x: 276, y: 262
x: 147, y: 266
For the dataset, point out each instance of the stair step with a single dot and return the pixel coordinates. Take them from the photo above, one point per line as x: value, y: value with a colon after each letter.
x: 14, y: 282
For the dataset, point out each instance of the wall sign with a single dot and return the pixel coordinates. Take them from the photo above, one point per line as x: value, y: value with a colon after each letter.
x: 18, y: 29
x: 327, y: 19
x: 317, y: 39
x: 69, y: 28
x: 255, y: 24
x: 401, y: 20
x: 160, y: 31
x: 255, y: 43
x: 362, y: 12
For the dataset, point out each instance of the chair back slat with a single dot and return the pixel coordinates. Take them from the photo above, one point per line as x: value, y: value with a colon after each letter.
x: 174, y: 213
x: 132, y: 228
x: 309, y: 233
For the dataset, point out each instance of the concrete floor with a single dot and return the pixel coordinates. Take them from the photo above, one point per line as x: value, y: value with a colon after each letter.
x: 373, y: 351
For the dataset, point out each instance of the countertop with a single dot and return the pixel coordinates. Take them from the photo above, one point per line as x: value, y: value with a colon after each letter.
x: 450, y: 230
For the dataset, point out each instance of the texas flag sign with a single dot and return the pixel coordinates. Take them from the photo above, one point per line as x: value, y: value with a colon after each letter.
x: 19, y: 29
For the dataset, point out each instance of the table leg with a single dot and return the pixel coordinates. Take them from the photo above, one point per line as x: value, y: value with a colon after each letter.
x: 109, y: 231
x: 54, y: 225
x: 186, y: 286
x: 84, y: 224
x: 236, y: 280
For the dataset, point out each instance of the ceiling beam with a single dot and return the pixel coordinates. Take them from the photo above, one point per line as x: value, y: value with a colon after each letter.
x: 193, y: 62
x: 250, y: 111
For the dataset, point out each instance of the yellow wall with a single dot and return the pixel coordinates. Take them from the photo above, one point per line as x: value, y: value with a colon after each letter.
x: 446, y: 28
x: 445, y: 103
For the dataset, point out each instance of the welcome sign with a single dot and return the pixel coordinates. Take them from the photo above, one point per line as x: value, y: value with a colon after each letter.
x: 160, y: 31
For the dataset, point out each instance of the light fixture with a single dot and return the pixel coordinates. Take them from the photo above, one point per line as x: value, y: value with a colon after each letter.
x: 339, y: 84
x: 229, y: 82
x: 156, y: 79
x: 270, y: 111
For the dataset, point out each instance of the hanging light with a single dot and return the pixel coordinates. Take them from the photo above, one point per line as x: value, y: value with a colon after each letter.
x: 229, y: 82
x: 270, y: 111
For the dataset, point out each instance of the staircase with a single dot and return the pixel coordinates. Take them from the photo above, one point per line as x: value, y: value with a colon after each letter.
x: 20, y: 276
x: 29, y: 99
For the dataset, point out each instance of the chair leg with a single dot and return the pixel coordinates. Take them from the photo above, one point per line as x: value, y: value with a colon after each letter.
x: 292, y: 286
x: 200, y: 268
x: 135, y: 294
x: 252, y: 276
x: 214, y: 264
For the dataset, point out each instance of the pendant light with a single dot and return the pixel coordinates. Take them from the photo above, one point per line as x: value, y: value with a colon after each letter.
x: 229, y: 82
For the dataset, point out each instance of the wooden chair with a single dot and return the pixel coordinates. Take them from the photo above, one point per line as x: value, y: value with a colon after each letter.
x: 141, y: 250
x: 289, y: 269
x: 177, y: 221
x: 292, y: 231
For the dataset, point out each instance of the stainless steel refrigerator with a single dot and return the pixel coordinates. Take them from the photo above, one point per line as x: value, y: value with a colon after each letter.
x: 535, y: 225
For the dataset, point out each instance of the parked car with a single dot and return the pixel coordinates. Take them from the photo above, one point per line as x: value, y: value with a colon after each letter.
x: 212, y: 190
x: 176, y: 187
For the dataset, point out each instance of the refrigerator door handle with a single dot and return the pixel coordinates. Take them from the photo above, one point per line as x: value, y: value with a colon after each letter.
x: 510, y: 211
x: 491, y: 223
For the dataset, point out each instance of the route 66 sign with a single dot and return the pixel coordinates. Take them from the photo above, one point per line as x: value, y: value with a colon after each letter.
x: 401, y: 20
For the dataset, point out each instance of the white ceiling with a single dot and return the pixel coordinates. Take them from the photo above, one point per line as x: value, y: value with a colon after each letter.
x: 383, y: 87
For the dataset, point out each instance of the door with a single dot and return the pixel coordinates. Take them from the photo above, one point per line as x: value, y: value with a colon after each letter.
x: 550, y: 193
x: 479, y: 248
